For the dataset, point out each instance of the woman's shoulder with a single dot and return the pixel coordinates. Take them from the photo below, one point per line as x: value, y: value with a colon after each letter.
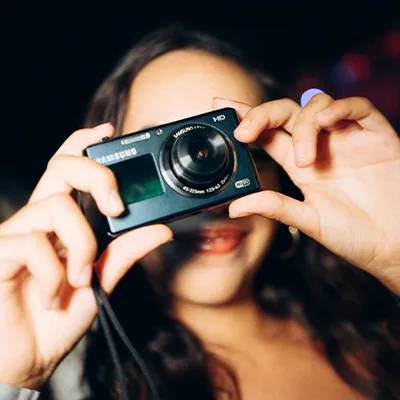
x: 8, y: 392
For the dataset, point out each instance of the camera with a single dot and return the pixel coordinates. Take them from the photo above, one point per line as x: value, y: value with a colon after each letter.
x: 177, y: 169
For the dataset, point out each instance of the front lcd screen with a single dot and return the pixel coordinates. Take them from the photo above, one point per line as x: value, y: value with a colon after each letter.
x: 137, y: 179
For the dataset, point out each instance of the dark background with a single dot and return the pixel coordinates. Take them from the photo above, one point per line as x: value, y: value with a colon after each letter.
x: 54, y: 57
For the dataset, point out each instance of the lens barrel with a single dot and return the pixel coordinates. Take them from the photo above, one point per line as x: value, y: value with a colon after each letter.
x: 198, y: 157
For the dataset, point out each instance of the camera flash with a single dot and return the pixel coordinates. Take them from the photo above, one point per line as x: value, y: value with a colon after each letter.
x: 136, y: 138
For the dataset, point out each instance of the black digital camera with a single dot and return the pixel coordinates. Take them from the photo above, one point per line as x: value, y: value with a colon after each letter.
x: 177, y: 169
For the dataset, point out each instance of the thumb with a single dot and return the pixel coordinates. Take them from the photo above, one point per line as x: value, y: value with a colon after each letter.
x: 276, y: 206
x: 128, y: 249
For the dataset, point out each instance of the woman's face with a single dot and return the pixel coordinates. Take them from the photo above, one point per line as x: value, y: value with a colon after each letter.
x: 213, y: 258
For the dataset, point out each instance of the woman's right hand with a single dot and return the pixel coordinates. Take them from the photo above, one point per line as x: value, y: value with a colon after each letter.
x: 47, y: 251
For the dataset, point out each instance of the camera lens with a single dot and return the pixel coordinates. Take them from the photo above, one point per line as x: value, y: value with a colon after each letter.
x: 202, y: 154
x: 198, y: 160
x: 200, y: 157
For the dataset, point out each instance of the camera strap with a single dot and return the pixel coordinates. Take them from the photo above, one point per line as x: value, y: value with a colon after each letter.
x: 105, y: 312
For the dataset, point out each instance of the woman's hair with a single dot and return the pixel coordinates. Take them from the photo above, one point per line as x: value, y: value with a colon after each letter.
x: 352, y: 317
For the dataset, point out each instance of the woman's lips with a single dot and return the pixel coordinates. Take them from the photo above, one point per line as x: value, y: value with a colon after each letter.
x: 212, y: 241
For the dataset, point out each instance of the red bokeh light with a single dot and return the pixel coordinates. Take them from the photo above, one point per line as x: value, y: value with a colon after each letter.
x: 309, y: 81
x: 391, y: 44
x: 358, y: 64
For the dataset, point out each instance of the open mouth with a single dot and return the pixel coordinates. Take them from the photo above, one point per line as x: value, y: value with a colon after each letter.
x: 212, y: 240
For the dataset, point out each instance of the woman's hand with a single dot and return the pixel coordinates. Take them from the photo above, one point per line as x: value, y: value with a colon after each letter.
x: 345, y: 158
x: 47, y: 251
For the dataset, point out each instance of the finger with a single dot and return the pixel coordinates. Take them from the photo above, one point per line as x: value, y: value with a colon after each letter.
x: 270, y: 115
x: 277, y: 143
x: 39, y: 258
x: 262, y: 124
x: 306, y: 130
x: 82, y: 138
x: 357, y: 109
x: 74, y: 145
x: 274, y: 205
x: 61, y: 215
x: 126, y: 250
x: 67, y: 172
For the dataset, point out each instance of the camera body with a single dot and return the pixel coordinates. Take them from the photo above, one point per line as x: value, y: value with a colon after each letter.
x: 177, y: 169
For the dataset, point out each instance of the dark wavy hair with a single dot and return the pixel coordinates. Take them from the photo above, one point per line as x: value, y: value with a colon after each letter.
x: 352, y: 316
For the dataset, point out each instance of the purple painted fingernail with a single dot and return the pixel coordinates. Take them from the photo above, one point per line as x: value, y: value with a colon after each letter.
x: 308, y: 94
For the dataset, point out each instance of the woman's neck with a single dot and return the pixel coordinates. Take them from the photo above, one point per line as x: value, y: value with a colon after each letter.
x: 229, y: 325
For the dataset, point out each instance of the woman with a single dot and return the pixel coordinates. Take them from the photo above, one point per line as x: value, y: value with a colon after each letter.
x: 225, y: 310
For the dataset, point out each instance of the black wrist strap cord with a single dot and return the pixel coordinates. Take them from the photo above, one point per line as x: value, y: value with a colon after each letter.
x: 105, y: 310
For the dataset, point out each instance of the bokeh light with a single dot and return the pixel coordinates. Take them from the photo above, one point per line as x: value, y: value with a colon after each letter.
x: 372, y: 71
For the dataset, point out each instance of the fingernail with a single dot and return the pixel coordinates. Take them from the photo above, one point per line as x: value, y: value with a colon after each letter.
x: 243, y: 125
x: 103, y: 127
x: 308, y: 95
x: 85, y: 276
x: 239, y: 214
x: 115, y: 201
x: 300, y: 151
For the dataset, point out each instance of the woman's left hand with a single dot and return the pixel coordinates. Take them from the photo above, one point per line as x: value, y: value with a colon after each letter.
x: 345, y: 158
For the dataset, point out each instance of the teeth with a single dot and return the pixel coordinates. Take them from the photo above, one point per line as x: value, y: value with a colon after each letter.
x: 214, y: 240
x: 206, y: 246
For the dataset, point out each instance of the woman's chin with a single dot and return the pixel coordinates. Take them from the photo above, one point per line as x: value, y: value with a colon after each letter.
x: 212, y: 264
x: 211, y: 283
